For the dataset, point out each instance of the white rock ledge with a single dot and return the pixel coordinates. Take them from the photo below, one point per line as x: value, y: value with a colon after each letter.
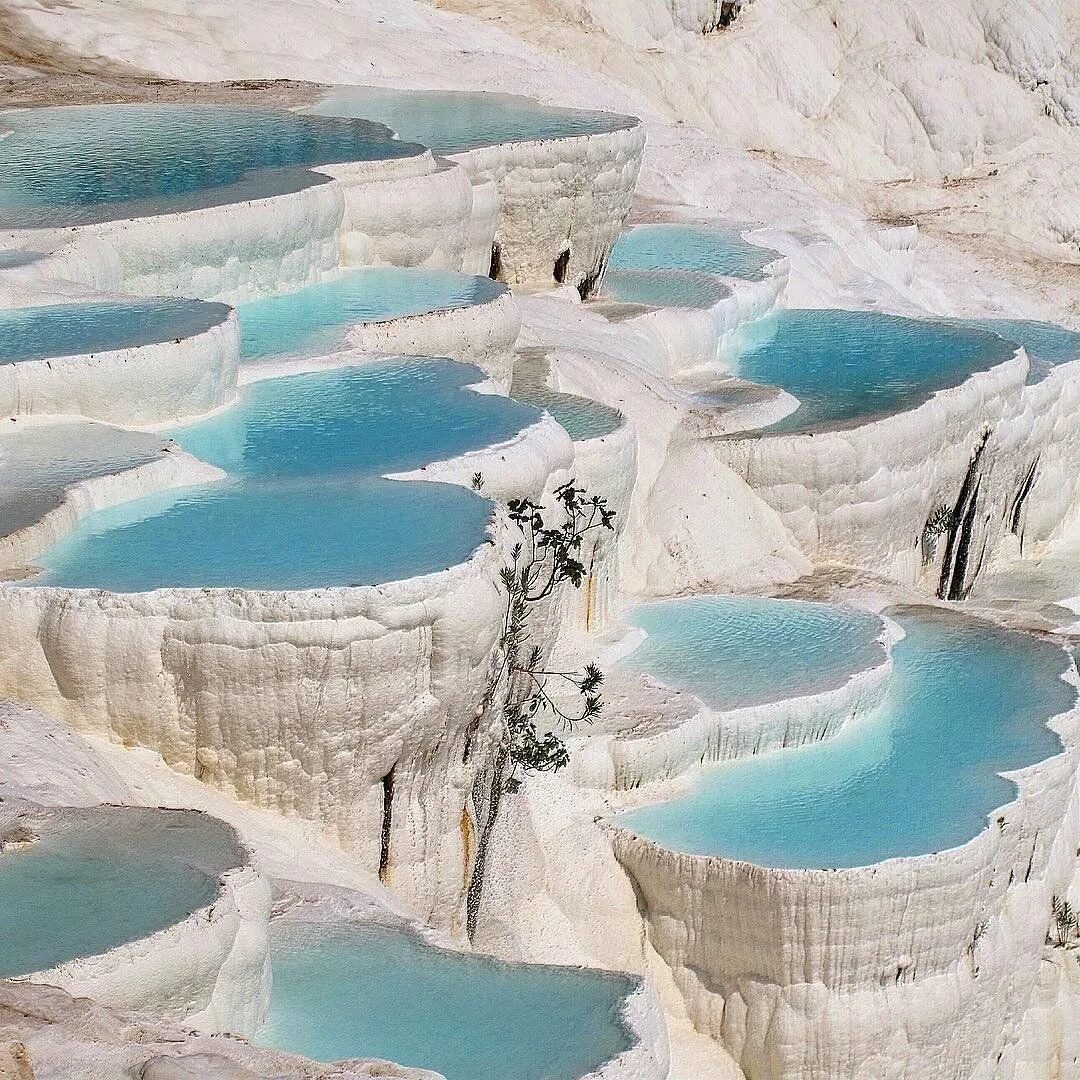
x: 185, y: 377
x: 656, y: 739
x: 482, y: 334
x: 921, y: 966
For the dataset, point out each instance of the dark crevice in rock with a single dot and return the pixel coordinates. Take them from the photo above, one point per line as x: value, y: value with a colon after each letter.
x: 562, y: 264
x: 591, y: 281
x: 488, y: 789
x: 951, y: 584
x: 495, y: 269
x: 387, y: 822
x: 1016, y: 511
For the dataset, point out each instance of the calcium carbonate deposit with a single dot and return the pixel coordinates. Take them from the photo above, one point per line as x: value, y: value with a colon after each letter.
x: 540, y: 540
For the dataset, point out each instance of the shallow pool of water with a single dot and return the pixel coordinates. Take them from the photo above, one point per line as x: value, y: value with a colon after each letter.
x: 315, y: 319
x: 85, y: 888
x: 37, y: 333
x: 361, y: 991
x: 580, y: 417
x: 711, y: 249
x: 850, y: 366
x: 919, y: 775
x: 304, y: 504
x: 40, y: 462
x: 80, y: 164
x: 451, y: 121
x: 732, y: 651
x: 664, y: 288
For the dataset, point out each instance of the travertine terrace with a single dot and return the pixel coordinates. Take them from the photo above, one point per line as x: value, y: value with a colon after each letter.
x: 597, y: 224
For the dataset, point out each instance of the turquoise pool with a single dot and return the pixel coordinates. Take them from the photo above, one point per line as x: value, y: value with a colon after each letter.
x: 316, y: 319
x: 580, y: 417
x: 710, y: 249
x: 1047, y: 344
x: 733, y: 651
x: 79, y: 164
x: 846, y: 367
x: 37, y: 333
x: 664, y: 288
x: 919, y: 775
x: 451, y: 121
x: 304, y: 504
x: 86, y: 887
x: 364, y: 991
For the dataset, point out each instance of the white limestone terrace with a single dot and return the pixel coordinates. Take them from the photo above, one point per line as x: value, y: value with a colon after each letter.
x: 699, y: 281
x: 136, y: 908
x: 83, y: 356
x: 670, y: 710
x: 350, y: 316
x: 885, y: 101
x: 564, y: 178
x: 992, y: 456
x: 218, y: 678
x: 242, y: 216
x: 802, y: 972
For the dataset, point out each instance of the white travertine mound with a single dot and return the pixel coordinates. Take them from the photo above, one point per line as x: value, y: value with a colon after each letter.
x: 210, y: 969
x: 184, y: 377
x: 804, y: 972
x: 559, y: 198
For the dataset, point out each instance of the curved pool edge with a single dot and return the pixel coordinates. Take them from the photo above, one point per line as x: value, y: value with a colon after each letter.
x: 173, y: 469
x: 641, y: 1012
x: 186, y: 376
x: 210, y: 969
x: 482, y: 333
x: 707, y: 735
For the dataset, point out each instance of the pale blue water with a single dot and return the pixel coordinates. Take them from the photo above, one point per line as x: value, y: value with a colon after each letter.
x: 304, y: 505
x: 356, y: 991
x: 1047, y: 344
x: 731, y: 651
x: 315, y: 319
x: 34, y: 333
x: 79, y: 164
x: 850, y: 366
x: 920, y: 775
x: 580, y: 417
x: 450, y: 121
x: 706, y: 248
x: 85, y: 889
x: 664, y: 288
